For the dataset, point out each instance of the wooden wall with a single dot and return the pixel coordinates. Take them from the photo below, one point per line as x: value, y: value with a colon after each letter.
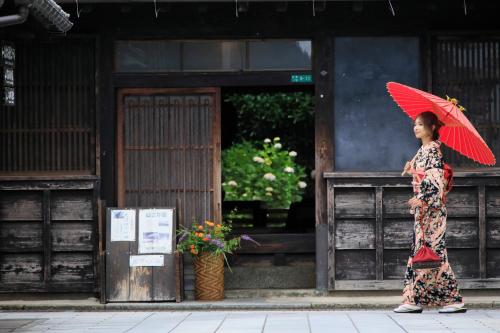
x: 370, y: 229
x: 48, y: 235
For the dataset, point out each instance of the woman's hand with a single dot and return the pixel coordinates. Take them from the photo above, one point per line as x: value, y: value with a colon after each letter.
x: 407, y: 169
x: 414, y: 202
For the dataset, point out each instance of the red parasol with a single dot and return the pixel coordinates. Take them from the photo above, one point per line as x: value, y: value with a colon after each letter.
x: 457, y: 133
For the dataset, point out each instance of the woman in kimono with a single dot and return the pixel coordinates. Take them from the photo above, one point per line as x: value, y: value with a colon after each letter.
x: 429, y: 286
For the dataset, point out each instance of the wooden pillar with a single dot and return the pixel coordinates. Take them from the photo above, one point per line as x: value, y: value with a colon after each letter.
x: 323, y: 80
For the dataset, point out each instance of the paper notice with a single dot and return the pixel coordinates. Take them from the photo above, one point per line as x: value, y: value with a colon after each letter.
x: 147, y: 260
x: 123, y: 225
x: 155, y: 230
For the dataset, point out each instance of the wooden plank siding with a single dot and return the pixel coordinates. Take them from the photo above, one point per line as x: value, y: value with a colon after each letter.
x: 168, y: 148
x: 48, y: 235
x: 49, y: 169
x: 371, y: 227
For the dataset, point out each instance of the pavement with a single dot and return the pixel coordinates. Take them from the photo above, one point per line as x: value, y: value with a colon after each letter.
x: 238, y: 300
x: 474, y: 321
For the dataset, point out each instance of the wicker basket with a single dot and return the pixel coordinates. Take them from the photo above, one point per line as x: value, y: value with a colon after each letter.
x: 209, y: 276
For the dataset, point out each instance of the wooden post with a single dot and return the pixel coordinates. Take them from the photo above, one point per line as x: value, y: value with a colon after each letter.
x: 331, y: 233
x: 482, y: 230
x: 323, y: 70
x: 379, y: 234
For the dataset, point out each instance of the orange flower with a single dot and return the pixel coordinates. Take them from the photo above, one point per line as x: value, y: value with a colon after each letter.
x: 205, y: 239
x: 211, y: 224
x: 192, y: 246
x: 200, y: 227
x: 219, y: 225
x: 194, y: 251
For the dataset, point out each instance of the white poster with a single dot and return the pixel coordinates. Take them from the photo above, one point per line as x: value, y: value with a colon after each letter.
x: 147, y: 260
x: 155, y: 230
x: 123, y: 225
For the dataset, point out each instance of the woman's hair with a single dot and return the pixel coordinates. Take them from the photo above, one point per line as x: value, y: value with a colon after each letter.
x: 429, y: 119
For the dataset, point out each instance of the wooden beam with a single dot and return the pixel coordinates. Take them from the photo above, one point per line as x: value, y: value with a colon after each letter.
x: 398, y: 285
x: 331, y: 234
x: 482, y: 230
x: 324, y: 150
x: 379, y: 234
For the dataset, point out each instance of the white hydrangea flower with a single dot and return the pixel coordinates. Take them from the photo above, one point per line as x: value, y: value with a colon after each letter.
x: 302, y: 184
x: 224, y: 184
x: 269, y: 189
x: 232, y: 183
x: 267, y: 140
x: 244, y: 195
x: 278, y: 145
x: 289, y: 170
x: 277, y: 138
x: 292, y: 153
x: 258, y: 159
x: 269, y: 194
x: 270, y: 176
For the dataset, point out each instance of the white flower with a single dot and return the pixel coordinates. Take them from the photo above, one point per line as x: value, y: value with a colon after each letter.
x: 289, y: 170
x: 267, y: 140
x: 224, y: 184
x: 269, y: 194
x: 232, y: 183
x: 269, y: 189
x: 270, y: 176
x: 258, y: 159
x: 244, y: 195
x: 276, y: 138
x: 256, y: 197
x: 278, y: 145
x: 292, y: 153
x: 302, y: 184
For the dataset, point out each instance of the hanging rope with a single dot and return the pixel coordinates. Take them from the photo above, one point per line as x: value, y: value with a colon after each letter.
x: 465, y: 7
x: 77, y: 9
x: 236, y: 8
x: 314, y: 8
x: 156, y: 10
x: 392, y: 8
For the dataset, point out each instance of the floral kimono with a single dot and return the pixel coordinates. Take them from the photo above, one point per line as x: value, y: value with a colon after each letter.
x: 431, y: 286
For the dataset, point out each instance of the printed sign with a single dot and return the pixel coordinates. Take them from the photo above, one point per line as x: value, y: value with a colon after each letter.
x: 155, y: 230
x: 147, y: 260
x: 123, y: 225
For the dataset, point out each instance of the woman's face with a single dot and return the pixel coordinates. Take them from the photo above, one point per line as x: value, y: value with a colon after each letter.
x: 420, y: 130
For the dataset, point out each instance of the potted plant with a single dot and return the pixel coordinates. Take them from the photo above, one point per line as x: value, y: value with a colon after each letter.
x: 208, y: 246
x: 265, y: 172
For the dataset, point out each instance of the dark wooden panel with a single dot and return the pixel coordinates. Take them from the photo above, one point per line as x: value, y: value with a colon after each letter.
x: 279, y: 243
x: 462, y: 201
x: 355, y: 234
x: 141, y: 284
x: 20, y: 236
x: 71, y: 205
x: 464, y: 262
x: 493, y: 233
x: 18, y: 205
x: 21, y: 267
x: 467, y: 67
x: 355, y: 264
x: 462, y: 233
x: 355, y: 202
x: 76, y: 266
x: 493, y: 263
x: 72, y: 236
x: 398, y: 233
x: 53, y: 128
x: 395, y: 263
x: 173, y: 133
x: 396, y: 202
x: 493, y: 201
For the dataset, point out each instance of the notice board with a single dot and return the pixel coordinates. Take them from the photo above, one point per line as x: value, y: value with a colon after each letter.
x: 141, y: 261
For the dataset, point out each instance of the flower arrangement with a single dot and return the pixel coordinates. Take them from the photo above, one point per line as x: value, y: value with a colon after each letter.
x: 209, y: 237
x: 269, y: 174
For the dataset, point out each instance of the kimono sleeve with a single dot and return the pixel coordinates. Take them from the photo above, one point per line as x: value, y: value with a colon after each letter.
x: 430, y: 191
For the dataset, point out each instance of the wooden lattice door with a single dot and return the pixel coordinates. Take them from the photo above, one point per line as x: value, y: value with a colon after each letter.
x: 169, y: 149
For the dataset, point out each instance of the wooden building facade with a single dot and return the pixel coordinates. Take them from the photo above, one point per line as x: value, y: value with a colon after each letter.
x: 125, y: 110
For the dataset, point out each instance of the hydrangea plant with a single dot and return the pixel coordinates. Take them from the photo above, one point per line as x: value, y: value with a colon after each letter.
x: 262, y: 171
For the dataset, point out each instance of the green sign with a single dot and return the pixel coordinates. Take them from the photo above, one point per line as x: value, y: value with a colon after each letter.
x: 301, y: 78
